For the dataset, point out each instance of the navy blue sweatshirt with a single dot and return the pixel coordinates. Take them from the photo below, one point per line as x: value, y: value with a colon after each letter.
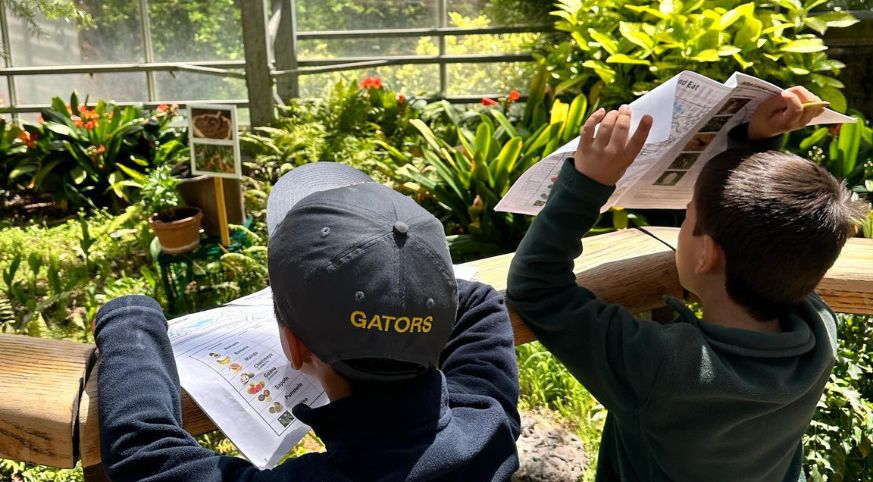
x: 457, y: 423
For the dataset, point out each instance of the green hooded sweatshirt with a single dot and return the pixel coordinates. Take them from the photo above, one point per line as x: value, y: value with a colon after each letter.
x: 687, y: 400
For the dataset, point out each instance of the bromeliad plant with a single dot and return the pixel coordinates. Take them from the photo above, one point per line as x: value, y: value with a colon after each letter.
x: 468, y: 173
x: 80, y: 154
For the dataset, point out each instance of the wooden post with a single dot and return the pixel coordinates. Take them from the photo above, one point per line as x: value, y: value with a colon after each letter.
x: 222, y: 211
x: 285, y: 51
x: 258, y: 79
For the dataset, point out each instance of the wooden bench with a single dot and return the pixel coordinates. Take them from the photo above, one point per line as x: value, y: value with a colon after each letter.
x: 48, y: 413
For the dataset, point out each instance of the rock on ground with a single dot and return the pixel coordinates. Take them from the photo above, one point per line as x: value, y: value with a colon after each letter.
x: 547, y: 451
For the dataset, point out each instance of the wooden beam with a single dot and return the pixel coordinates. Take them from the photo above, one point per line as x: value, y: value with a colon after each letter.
x: 40, y: 378
x: 40, y: 381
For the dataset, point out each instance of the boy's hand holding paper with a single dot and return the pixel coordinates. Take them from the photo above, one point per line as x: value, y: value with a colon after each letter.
x: 606, y: 154
x: 785, y: 112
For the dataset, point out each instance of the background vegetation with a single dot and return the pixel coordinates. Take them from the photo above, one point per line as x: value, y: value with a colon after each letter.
x: 64, y: 179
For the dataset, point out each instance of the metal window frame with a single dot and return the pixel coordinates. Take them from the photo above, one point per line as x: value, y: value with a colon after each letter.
x: 233, y: 68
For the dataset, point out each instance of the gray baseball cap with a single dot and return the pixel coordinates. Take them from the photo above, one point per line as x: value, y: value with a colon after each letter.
x: 359, y: 272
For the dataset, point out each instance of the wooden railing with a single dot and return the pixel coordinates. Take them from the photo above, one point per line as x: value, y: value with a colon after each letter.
x: 48, y: 410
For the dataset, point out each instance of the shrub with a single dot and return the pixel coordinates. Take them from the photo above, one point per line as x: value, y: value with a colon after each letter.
x: 628, y: 48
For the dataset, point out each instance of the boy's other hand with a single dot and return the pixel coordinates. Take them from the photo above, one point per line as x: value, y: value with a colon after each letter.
x: 783, y: 113
x: 604, y: 157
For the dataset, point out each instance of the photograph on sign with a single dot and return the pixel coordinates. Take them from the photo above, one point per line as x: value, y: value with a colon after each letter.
x: 212, y: 135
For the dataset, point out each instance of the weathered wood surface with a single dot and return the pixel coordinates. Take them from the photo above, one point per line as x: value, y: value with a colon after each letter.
x: 193, y: 420
x: 40, y: 383
x: 40, y: 380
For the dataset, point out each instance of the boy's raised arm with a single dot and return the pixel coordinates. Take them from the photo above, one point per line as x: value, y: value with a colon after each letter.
x: 614, y: 355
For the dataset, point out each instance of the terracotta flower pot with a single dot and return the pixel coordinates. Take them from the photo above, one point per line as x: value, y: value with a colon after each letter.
x: 177, y: 229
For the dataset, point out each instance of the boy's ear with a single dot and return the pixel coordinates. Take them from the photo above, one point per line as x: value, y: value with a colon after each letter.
x: 296, y: 351
x: 711, y: 257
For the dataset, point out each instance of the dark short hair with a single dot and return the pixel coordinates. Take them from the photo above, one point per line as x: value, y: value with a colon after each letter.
x: 781, y: 221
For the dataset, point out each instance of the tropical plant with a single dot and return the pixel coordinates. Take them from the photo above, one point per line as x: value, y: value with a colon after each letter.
x: 846, y: 150
x: 468, y: 173
x: 81, y: 155
x: 624, y: 47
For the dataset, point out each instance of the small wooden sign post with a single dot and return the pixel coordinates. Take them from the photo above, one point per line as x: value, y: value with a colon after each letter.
x: 212, y: 134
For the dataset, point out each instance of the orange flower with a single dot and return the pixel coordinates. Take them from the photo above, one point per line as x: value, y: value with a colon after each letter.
x: 90, y: 125
x: 163, y: 108
x: 488, y: 102
x: 79, y: 122
x: 28, y: 139
x: 101, y: 149
x: 401, y: 99
x: 372, y: 82
x: 514, y: 96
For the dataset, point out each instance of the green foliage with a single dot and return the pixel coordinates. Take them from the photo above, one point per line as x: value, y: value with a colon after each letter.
x: 159, y: 191
x: 545, y: 382
x: 468, y: 169
x: 839, y: 441
x: 30, y: 10
x: 631, y: 48
x: 22, y: 472
x: 85, y: 157
x: 845, y: 150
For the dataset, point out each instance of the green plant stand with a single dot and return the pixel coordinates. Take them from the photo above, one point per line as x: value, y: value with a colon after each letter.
x: 177, y: 270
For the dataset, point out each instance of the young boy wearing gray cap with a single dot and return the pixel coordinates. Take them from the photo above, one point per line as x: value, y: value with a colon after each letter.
x: 419, y: 367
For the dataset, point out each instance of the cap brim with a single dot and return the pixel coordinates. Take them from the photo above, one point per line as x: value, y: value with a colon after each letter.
x: 305, y: 180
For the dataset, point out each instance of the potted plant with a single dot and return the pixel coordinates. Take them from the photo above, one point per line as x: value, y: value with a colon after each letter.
x: 176, y: 226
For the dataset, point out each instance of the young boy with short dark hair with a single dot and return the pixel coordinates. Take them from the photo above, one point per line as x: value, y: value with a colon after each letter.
x: 728, y: 397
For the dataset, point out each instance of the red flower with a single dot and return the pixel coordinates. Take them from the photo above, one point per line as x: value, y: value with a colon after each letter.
x: 401, y: 99
x: 372, y: 82
x: 488, y: 102
x: 90, y: 125
x: 163, y: 108
x: 514, y: 96
x: 28, y: 139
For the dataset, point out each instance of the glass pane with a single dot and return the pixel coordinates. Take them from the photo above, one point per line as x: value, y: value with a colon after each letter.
x: 315, y: 15
x: 513, y: 43
x: 4, y: 93
x: 504, y: 12
x: 116, y: 36
x: 374, y: 47
x: 409, y: 80
x: 192, y: 31
x: 192, y: 86
x: 489, y: 79
x: 39, y: 89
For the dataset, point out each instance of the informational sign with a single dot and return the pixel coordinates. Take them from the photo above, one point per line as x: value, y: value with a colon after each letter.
x: 214, y: 140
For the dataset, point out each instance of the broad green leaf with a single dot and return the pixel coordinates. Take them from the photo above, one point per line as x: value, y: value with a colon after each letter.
x: 816, y: 23
x: 731, y: 16
x: 624, y: 59
x: 135, y: 175
x: 748, y: 35
x: 559, y: 112
x: 569, y: 83
x: 79, y: 175
x: 848, y: 144
x: 709, y: 55
x: 817, y: 136
x: 839, y: 19
x: 633, y: 33
x: 824, y: 80
x: 505, y: 163
x: 798, y: 70
x: 426, y: 132
x: 804, y: 46
x: 482, y: 143
x: 504, y: 122
x: 605, y: 40
x: 574, y: 117
x: 728, y: 50
x: 646, y: 9
x: 44, y: 171
x: 606, y: 73
x: 581, y: 41
x: 22, y: 169
x: 834, y: 96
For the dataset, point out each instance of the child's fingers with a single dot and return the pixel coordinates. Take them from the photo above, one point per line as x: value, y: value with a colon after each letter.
x: 587, y: 133
x: 793, y: 108
x: 638, y: 140
x: 804, y: 94
x: 604, y: 134
x: 621, y: 129
x: 809, y: 115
